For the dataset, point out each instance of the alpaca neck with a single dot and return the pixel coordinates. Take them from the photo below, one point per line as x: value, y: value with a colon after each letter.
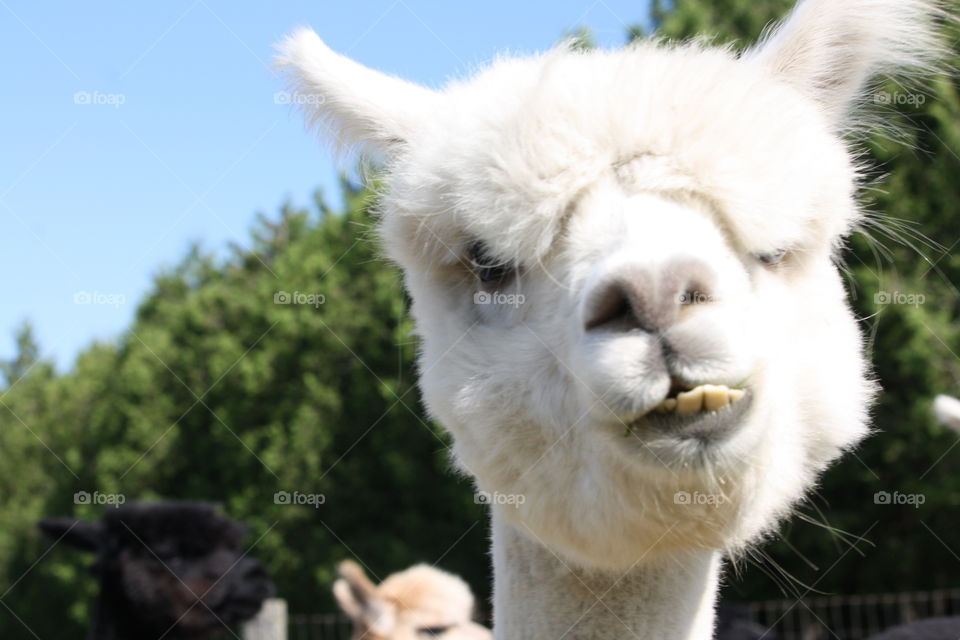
x: 538, y: 596
x: 106, y: 625
x: 113, y: 619
x: 114, y: 628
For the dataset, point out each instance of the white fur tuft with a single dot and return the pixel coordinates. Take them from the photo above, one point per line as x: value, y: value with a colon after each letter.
x: 947, y: 411
x: 832, y: 50
x: 352, y: 104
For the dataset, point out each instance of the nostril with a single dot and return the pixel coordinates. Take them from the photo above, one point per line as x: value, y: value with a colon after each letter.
x: 255, y: 571
x: 648, y: 298
x: 608, y: 306
x: 691, y: 280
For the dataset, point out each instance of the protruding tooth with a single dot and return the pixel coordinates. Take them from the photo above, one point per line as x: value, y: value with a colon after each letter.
x: 690, y: 401
x: 736, y: 395
x: 715, y: 397
x: 669, y: 405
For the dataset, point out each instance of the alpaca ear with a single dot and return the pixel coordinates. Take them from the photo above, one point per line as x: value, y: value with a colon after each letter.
x: 345, y: 599
x: 373, y: 612
x: 832, y: 49
x: 353, y: 591
x: 363, y: 107
x: 358, y: 598
x: 80, y: 534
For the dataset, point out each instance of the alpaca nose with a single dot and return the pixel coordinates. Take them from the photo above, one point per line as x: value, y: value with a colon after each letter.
x: 252, y: 571
x: 650, y: 298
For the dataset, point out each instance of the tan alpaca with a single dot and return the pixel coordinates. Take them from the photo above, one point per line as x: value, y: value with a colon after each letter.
x: 420, y: 602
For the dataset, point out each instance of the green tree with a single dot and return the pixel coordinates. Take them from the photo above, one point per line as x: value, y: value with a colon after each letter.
x: 285, y: 367
x: 28, y: 354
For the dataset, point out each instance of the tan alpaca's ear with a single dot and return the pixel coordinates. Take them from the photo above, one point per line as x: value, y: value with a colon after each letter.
x: 832, y: 49
x: 353, y: 591
x: 345, y: 599
x: 358, y: 598
x: 361, y: 107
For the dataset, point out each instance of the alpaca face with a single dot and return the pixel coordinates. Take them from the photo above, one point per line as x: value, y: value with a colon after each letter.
x: 174, y: 570
x: 420, y: 603
x: 192, y: 595
x: 622, y: 270
x: 562, y: 303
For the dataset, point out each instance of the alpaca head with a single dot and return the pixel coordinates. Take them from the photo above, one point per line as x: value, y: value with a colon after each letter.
x: 416, y: 604
x: 176, y: 570
x: 622, y: 267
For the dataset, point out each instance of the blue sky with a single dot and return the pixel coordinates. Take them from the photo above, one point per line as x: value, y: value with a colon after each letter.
x: 134, y: 129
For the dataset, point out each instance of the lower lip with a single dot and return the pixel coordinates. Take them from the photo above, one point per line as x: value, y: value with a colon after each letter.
x: 703, y: 425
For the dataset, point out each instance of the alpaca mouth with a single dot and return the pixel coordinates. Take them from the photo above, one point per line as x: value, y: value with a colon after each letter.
x: 702, y: 398
x: 706, y: 412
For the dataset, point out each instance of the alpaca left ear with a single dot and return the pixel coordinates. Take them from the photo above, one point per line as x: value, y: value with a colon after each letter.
x: 364, y: 108
x: 832, y: 49
x: 80, y: 534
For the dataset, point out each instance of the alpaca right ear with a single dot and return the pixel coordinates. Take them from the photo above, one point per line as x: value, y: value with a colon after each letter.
x: 358, y: 598
x: 79, y: 534
x: 353, y: 590
x: 346, y: 600
x: 364, y: 107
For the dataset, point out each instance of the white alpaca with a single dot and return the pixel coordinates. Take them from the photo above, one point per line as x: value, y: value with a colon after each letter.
x: 947, y: 411
x: 622, y: 267
x: 420, y: 602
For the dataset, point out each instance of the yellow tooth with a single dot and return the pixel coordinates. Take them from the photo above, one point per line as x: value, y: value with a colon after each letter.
x: 667, y: 406
x: 690, y: 401
x: 715, y: 397
x: 736, y: 395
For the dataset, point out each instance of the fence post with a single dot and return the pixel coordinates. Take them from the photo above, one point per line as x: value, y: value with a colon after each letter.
x: 270, y: 623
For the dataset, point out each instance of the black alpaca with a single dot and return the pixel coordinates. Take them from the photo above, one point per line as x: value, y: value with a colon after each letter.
x: 929, y: 629
x: 171, y: 570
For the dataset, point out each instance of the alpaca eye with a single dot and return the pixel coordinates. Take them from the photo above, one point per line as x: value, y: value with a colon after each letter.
x: 433, y: 631
x: 487, y: 268
x: 772, y: 259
